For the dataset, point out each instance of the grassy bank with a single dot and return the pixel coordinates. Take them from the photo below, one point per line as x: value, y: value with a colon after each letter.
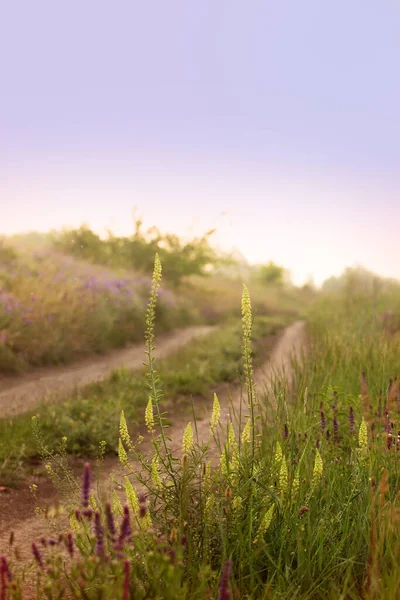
x: 55, y: 308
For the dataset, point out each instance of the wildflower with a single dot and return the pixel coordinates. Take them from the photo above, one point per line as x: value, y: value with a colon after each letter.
x: 122, y: 456
x: 318, y: 469
x: 283, y: 477
x: 125, y: 530
x: 278, y: 454
x: 247, y: 319
x: 92, y: 501
x: 73, y: 521
x: 285, y: 432
x: 5, y: 569
x: 216, y: 414
x: 265, y: 523
x: 37, y: 555
x: 351, y: 421
x: 237, y: 503
x: 149, y: 416
x: 126, y: 594
x: 231, y: 437
x: 116, y: 505
x: 123, y: 430
x: 86, y: 486
x: 335, y: 426
x: 296, y: 484
x: 223, y: 593
x: 246, y: 434
x: 187, y: 440
x: 99, y: 533
x: 131, y: 496
x: 155, y: 476
x: 363, y: 436
x: 112, y: 530
x: 322, y: 421
x: 70, y: 544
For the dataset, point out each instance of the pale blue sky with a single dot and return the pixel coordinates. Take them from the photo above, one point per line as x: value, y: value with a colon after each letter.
x: 277, y: 122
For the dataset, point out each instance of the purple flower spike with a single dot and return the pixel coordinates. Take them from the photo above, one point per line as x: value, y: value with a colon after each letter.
x: 70, y: 544
x: 86, y: 486
x: 224, y: 593
x: 99, y: 533
x: 37, y: 555
x: 322, y: 421
x: 112, y: 530
x: 125, y: 530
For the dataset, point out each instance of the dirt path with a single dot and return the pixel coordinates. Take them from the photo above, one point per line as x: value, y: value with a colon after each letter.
x: 24, y: 393
x: 290, y: 343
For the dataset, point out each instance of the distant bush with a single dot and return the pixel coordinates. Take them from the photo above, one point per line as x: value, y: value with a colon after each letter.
x: 179, y: 258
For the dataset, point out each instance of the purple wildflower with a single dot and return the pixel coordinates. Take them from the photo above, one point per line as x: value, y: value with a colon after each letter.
x: 285, y: 432
x: 110, y: 521
x: 37, y: 555
x: 351, y: 421
x: 322, y: 421
x: 125, y: 530
x: 224, y: 593
x: 335, y: 426
x: 86, y: 485
x: 99, y: 533
x: 4, y: 568
x: 69, y: 542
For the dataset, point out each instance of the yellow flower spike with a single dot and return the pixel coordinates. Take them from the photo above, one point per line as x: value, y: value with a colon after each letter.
x: 231, y: 437
x: 247, y: 322
x: 363, y: 435
x: 216, y: 415
x: 155, y: 476
x: 222, y: 464
x: 296, y: 485
x: 73, y: 522
x: 131, y: 497
x: 207, y: 477
x: 278, y: 454
x: 187, y: 440
x: 150, y: 311
x: 123, y: 430
x: 283, y: 478
x: 149, y: 416
x: 246, y: 434
x: 92, y: 500
x: 122, y: 456
x: 265, y: 524
x: 116, y: 505
x: 237, y: 503
x: 318, y: 469
x: 209, y: 507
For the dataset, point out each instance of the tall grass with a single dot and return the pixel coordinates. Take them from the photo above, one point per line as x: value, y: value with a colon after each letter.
x: 297, y: 498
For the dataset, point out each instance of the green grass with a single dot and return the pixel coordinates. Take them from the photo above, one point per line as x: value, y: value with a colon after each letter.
x: 305, y: 506
x: 92, y: 414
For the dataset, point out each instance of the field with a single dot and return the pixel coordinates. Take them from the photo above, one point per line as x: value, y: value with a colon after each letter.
x: 291, y: 493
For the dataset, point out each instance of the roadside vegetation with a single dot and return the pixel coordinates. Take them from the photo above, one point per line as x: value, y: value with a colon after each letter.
x: 68, y: 295
x: 297, y: 499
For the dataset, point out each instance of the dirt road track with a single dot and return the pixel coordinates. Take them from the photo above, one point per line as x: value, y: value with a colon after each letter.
x: 24, y: 393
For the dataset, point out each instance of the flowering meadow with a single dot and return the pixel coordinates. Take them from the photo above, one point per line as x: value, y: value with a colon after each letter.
x: 54, y: 308
x: 298, y: 497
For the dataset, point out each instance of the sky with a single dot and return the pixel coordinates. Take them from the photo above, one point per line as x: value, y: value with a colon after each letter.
x: 277, y: 123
